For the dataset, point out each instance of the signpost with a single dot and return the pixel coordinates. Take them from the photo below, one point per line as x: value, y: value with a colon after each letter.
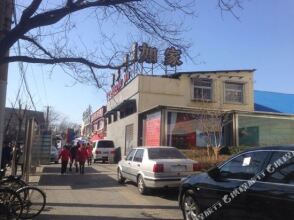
x: 140, y: 55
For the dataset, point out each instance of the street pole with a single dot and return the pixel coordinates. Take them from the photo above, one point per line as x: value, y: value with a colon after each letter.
x: 5, y: 25
x: 30, y: 124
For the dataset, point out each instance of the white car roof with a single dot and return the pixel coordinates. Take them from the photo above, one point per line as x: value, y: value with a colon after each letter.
x: 147, y: 147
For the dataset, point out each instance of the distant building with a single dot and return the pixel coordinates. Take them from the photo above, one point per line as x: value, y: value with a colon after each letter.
x: 86, y: 129
x: 15, y: 122
x: 15, y: 130
x: 98, y: 123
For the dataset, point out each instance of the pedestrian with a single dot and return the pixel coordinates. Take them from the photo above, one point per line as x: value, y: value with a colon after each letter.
x: 20, y: 158
x: 82, y: 157
x: 64, y: 156
x: 6, y: 155
x: 90, y: 154
x: 73, y: 157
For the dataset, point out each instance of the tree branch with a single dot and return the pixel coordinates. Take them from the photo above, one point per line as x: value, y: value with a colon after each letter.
x: 31, y: 40
x: 30, y: 10
x: 57, y: 60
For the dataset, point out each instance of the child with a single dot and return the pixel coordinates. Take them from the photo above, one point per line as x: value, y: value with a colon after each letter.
x: 64, y: 155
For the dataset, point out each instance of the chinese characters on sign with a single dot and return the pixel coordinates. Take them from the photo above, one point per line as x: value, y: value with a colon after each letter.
x: 141, y: 54
x: 172, y: 57
x: 147, y: 54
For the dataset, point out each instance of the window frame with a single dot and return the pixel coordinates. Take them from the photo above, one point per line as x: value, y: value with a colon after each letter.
x: 202, y: 87
x: 233, y: 90
x: 264, y: 164
x: 134, y: 158
x: 267, y: 180
x: 133, y: 150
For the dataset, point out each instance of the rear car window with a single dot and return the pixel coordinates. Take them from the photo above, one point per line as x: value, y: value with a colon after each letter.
x: 105, y: 144
x: 284, y: 173
x: 165, y: 153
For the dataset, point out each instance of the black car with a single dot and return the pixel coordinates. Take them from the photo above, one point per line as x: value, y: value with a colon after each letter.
x: 255, y: 184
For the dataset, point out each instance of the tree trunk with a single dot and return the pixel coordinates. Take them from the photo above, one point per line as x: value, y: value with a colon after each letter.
x: 216, y: 151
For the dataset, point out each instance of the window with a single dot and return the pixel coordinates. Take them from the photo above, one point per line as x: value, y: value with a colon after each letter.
x: 131, y: 155
x: 285, y: 171
x: 244, y: 166
x: 202, y: 89
x: 234, y: 92
x: 128, y: 110
x: 139, y: 155
x: 105, y: 144
x: 165, y: 153
x: 115, y: 116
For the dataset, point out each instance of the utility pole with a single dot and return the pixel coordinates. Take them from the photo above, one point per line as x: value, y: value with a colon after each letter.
x: 6, y: 7
x: 47, y: 117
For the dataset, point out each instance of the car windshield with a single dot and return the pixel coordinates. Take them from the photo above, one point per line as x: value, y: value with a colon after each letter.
x: 105, y: 144
x: 165, y: 153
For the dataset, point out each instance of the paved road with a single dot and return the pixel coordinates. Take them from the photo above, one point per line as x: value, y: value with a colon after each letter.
x: 97, y: 195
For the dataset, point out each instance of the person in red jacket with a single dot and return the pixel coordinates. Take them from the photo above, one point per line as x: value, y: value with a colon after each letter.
x: 82, y: 157
x: 90, y: 155
x: 64, y: 156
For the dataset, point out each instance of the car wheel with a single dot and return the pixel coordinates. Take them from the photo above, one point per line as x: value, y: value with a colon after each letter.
x: 141, y: 185
x: 189, y: 206
x: 120, y: 178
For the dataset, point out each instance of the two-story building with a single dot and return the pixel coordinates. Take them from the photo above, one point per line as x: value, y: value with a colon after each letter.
x: 166, y: 110
x: 98, y: 124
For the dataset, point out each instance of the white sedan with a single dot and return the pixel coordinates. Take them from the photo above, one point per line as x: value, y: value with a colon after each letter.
x: 155, y: 167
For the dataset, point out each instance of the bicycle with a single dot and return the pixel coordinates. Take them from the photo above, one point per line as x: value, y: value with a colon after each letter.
x: 33, y: 201
x: 11, y: 205
x: 13, y: 182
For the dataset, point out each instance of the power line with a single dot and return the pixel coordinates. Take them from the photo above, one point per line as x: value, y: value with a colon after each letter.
x: 21, y: 67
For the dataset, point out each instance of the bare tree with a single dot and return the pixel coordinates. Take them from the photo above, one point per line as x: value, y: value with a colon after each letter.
x: 212, y: 123
x: 145, y: 16
x: 14, y: 127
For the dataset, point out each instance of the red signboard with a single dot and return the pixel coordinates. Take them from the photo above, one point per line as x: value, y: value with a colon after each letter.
x: 152, y: 131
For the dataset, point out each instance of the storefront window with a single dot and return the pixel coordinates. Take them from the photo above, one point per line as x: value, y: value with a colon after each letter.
x: 152, y: 129
x: 187, y: 131
x: 264, y: 130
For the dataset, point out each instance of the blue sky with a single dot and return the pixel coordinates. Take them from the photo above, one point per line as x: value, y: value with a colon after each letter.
x: 263, y: 39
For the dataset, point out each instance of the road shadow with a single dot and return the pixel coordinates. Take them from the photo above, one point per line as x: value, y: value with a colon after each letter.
x: 165, y: 193
x: 91, y: 179
x: 116, y: 206
x: 79, y: 217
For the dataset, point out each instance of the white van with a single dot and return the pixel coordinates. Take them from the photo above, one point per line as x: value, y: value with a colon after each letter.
x: 103, y: 150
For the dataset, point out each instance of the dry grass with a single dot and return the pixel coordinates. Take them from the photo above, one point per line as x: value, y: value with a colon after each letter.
x: 202, y: 157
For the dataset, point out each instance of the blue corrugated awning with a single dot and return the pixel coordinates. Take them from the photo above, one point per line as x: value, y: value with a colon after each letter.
x: 273, y: 102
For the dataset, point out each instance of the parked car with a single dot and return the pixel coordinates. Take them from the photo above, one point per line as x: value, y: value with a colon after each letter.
x: 255, y: 184
x: 54, y: 153
x: 155, y: 167
x: 103, y: 150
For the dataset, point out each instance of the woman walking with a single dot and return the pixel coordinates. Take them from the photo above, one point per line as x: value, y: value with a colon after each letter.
x: 90, y: 155
x: 73, y: 156
x: 64, y: 156
x: 82, y: 157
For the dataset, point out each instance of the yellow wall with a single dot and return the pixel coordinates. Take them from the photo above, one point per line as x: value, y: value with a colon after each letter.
x: 178, y: 92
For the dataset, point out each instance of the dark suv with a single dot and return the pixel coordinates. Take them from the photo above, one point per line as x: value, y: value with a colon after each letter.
x: 255, y: 184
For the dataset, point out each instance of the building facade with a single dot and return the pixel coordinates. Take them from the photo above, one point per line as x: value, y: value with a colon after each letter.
x: 86, y: 129
x: 163, y: 110
x: 98, y: 123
